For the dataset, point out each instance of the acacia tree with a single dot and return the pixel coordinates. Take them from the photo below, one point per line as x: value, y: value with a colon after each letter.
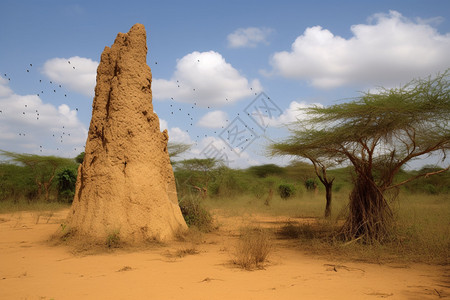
x: 43, y: 168
x: 378, y: 134
x: 319, y: 161
x: 203, y: 169
x: 176, y: 149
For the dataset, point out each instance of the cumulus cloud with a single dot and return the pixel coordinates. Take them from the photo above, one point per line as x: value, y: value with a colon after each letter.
x: 248, y: 37
x: 295, y: 112
x: 75, y: 73
x: 205, y: 78
x: 213, y: 147
x: 388, y: 50
x: 30, y: 125
x: 213, y: 119
x: 176, y: 135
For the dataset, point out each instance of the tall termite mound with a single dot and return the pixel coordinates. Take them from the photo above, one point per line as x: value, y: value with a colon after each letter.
x: 125, y: 184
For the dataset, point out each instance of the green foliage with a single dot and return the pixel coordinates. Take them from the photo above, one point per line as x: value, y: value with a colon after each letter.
x: 195, y: 175
x: 286, y: 190
x: 299, y: 171
x: 30, y: 177
x: 377, y: 133
x: 266, y: 170
x: 80, y: 157
x: 176, y: 149
x: 43, y: 168
x: 16, y: 183
x: 228, y: 182
x: 66, y: 180
x: 432, y: 185
x: 310, y: 184
x: 195, y: 214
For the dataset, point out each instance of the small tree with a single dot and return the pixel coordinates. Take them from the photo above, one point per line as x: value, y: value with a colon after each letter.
x: 175, y: 149
x: 80, y: 157
x: 43, y: 168
x: 378, y: 134
x: 200, y: 173
x: 320, y: 162
x: 266, y: 170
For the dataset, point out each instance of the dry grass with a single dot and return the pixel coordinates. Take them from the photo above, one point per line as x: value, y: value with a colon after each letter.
x: 8, y: 206
x: 186, y: 251
x: 253, y: 248
x: 421, y: 233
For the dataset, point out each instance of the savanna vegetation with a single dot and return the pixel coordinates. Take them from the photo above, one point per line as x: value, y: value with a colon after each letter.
x: 421, y: 211
x: 350, y: 178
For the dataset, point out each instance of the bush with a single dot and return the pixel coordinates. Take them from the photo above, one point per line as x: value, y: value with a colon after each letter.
x: 311, y: 184
x: 195, y: 214
x: 66, y: 180
x: 113, y: 239
x: 17, y: 183
x: 286, y: 190
x: 252, y: 249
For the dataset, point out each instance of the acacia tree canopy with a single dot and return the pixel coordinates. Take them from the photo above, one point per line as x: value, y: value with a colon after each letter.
x: 43, y: 167
x: 378, y: 134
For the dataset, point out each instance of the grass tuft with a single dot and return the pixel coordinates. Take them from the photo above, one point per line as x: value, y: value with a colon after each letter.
x: 253, y: 248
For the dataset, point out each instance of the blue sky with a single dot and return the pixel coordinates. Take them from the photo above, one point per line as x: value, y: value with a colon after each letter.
x: 214, y: 58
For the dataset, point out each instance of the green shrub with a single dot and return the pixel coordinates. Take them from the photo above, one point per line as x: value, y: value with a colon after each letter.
x: 310, y: 184
x: 113, y: 239
x: 286, y: 190
x: 66, y: 180
x: 195, y: 214
x: 430, y: 189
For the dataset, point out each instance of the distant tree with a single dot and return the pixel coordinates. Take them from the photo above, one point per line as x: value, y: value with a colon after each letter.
x: 379, y: 133
x: 16, y: 182
x: 200, y: 172
x: 43, y: 168
x: 175, y: 149
x: 319, y: 160
x: 266, y: 170
x: 80, y: 157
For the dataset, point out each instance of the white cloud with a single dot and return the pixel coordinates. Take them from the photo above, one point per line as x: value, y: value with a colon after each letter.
x: 389, y: 50
x: 295, y: 112
x: 163, y: 124
x: 213, y: 119
x: 205, y: 78
x: 30, y: 125
x: 75, y: 73
x: 213, y: 147
x: 248, y: 37
x: 176, y: 135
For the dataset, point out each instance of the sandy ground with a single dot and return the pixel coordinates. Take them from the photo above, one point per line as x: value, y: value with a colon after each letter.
x: 30, y: 268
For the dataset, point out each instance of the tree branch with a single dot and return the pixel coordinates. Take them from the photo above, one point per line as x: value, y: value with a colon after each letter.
x: 418, y: 176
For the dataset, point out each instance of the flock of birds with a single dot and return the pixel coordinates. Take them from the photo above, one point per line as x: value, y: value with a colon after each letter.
x: 60, y: 132
x: 188, y: 114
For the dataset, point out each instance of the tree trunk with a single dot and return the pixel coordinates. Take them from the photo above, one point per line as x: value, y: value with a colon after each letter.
x: 370, y: 216
x: 328, y: 195
x: 39, y: 189
x: 47, y: 190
